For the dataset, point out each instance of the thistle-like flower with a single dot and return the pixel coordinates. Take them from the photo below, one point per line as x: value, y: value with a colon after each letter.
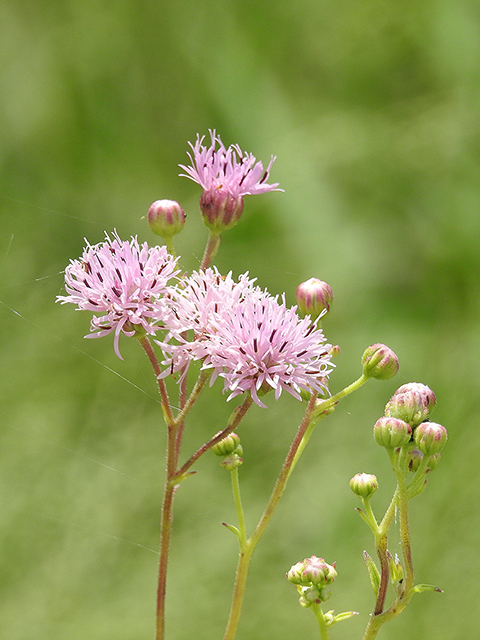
x: 249, y: 338
x: 262, y: 345
x: 226, y: 175
x: 124, y: 281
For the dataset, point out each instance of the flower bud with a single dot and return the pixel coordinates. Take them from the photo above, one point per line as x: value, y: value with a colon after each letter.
x: 294, y: 575
x: 231, y: 462
x: 166, y: 218
x: 314, y: 297
x: 434, y: 460
x: 392, y: 432
x: 364, y: 485
x: 318, y: 572
x: 379, y: 362
x: 227, y: 446
x: 430, y: 438
x: 414, y: 458
x: 312, y: 571
x: 220, y: 210
x: 412, y: 403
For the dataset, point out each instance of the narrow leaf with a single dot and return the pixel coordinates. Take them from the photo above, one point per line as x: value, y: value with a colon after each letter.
x: 372, y: 572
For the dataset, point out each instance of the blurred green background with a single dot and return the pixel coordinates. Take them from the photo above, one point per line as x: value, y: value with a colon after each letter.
x: 373, y: 111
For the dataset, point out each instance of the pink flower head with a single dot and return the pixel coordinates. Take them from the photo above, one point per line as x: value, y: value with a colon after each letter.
x: 195, y: 307
x: 245, y: 335
x: 123, y: 280
x: 229, y: 170
x: 261, y: 344
x: 226, y: 175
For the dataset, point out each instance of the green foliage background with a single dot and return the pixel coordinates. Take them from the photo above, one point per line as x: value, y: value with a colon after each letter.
x: 373, y: 111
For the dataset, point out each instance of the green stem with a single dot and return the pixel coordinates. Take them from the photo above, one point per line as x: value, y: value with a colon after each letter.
x: 248, y: 547
x: 317, y: 610
x: 238, y: 505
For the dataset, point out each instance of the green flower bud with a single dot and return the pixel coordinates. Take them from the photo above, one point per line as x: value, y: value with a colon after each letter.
x: 392, y: 432
x: 166, y: 218
x: 430, y: 438
x: 434, y: 460
x: 231, y: 462
x: 314, y: 297
x: 364, y: 485
x: 412, y: 403
x: 379, y: 362
x: 227, y: 446
x: 294, y: 575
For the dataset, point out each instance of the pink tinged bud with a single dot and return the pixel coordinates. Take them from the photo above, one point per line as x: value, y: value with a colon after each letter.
x: 412, y: 403
x: 220, y: 210
x: 379, y: 362
x: 364, y: 485
x: 414, y: 458
x: 314, y: 297
x: 430, y: 438
x: 318, y: 572
x: 231, y: 462
x: 166, y: 218
x: 392, y: 432
x: 294, y: 575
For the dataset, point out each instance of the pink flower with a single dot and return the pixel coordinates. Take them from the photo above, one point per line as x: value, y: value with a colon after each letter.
x: 195, y: 307
x: 261, y: 344
x: 123, y: 280
x: 226, y: 175
x: 229, y: 170
x: 249, y: 338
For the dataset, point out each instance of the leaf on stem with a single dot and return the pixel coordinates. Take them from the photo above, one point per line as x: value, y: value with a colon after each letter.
x: 231, y: 528
x: 420, y: 588
x: 373, y: 573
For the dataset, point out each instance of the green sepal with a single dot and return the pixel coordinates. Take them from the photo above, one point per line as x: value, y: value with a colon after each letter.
x: 420, y: 588
x: 373, y: 573
x: 231, y: 528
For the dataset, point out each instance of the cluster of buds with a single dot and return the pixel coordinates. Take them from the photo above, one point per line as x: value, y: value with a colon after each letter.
x: 230, y: 450
x: 311, y: 578
x: 407, y: 422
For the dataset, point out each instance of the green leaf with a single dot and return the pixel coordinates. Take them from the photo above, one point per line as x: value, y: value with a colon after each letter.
x: 420, y: 588
x: 231, y: 528
x: 372, y: 572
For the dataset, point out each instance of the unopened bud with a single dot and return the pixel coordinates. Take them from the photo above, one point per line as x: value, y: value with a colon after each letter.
x: 220, y: 210
x: 364, y: 485
x: 379, y: 362
x: 430, y: 438
x: 392, y: 432
x: 227, y: 446
x: 412, y: 403
x: 166, y: 218
x: 414, y: 457
x: 314, y: 297
x: 231, y: 462
x: 318, y: 572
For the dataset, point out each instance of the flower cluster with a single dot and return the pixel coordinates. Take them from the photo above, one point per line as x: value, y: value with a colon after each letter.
x: 124, y: 281
x: 248, y: 337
